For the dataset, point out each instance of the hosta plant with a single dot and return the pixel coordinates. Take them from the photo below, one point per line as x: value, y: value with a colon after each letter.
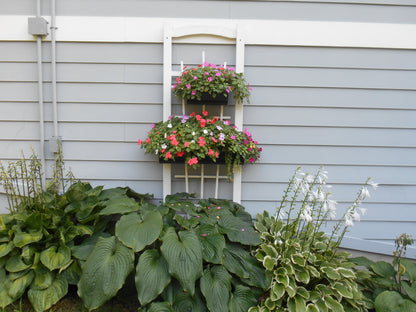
x: 390, y: 286
x: 184, y: 256
x: 307, y: 272
x: 40, y: 239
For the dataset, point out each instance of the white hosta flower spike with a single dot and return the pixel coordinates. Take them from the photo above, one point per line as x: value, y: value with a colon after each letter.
x: 374, y: 185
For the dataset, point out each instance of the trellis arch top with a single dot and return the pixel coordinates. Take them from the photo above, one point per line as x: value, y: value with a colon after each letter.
x: 194, y: 30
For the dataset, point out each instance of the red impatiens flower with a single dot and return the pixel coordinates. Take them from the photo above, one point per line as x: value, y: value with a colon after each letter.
x: 139, y: 142
x: 180, y: 154
x: 205, y: 113
x: 168, y: 155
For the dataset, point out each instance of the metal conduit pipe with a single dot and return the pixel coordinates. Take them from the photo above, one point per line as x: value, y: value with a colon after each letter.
x: 53, y: 68
x: 41, y: 105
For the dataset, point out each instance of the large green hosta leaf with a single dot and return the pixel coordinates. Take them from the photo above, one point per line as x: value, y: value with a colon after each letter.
x: 213, y: 244
x: 392, y: 301
x: 55, y: 258
x: 136, y: 232
x: 184, y: 302
x: 82, y: 251
x: 43, y: 299
x: 239, y: 261
x: 216, y: 287
x: 237, y: 230
x: 152, y: 275
x: 119, y: 205
x: 160, y: 307
x: 184, y: 256
x: 104, y: 272
x: 241, y: 299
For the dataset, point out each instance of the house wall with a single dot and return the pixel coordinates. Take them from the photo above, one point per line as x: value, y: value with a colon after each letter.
x: 343, y: 99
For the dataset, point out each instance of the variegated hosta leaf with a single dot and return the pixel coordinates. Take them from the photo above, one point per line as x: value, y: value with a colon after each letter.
x: 5, y: 298
x: 216, y: 287
x: 23, y: 239
x: 16, y: 264
x: 184, y: 256
x: 55, y: 258
x: 43, y: 278
x: 6, y: 248
x: 241, y: 299
x: 43, y: 299
x: 136, y: 232
x: 19, y: 285
x: 104, y: 272
x: 152, y: 275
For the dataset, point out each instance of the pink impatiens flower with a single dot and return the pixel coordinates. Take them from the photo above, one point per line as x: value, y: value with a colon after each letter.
x: 192, y: 161
x: 188, y: 86
x: 209, y: 79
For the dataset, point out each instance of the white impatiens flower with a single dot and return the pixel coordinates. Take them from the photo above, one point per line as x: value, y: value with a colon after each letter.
x: 156, y: 152
x: 193, y: 132
x: 163, y: 146
x: 205, y: 131
x: 170, y: 125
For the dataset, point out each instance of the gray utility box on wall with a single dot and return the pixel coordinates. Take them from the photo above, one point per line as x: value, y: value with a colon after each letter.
x: 37, y: 26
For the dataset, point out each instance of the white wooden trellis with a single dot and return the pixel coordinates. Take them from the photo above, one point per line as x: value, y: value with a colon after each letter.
x: 170, y: 34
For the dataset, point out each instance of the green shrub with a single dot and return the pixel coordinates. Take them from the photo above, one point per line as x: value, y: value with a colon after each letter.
x: 391, y: 287
x: 307, y: 272
x: 186, y: 256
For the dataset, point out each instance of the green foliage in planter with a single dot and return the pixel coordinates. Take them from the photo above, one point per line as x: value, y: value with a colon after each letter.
x: 391, y: 287
x: 40, y: 239
x: 186, y: 256
x: 306, y: 270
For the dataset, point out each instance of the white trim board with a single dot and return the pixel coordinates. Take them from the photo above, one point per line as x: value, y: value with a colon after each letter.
x: 257, y: 32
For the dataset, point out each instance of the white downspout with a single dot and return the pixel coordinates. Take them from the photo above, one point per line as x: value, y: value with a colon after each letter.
x: 41, y: 106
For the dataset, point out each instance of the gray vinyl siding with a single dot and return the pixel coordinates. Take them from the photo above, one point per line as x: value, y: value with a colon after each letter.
x: 381, y: 11
x: 351, y: 110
